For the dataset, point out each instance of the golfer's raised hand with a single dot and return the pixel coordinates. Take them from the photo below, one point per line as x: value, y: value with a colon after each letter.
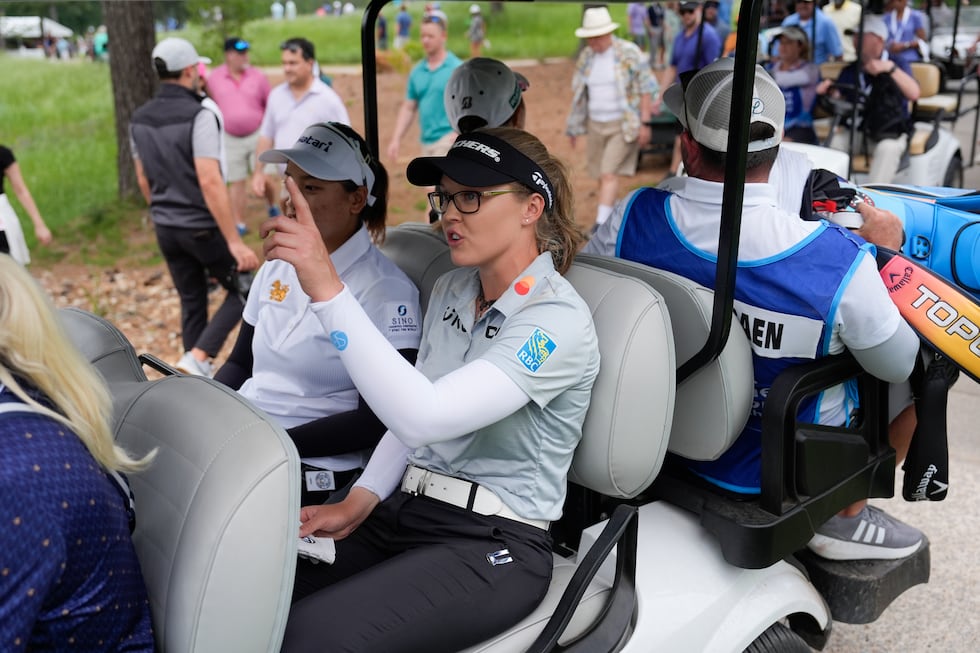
x: 295, y: 238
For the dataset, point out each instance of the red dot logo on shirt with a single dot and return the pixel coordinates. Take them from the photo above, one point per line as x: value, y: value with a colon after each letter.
x: 524, y: 286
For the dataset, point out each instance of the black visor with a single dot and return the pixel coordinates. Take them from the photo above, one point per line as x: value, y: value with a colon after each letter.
x: 479, y: 159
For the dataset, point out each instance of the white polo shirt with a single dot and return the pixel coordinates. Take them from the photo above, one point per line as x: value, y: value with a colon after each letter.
x: 297, y: 376
x: 286, y: 117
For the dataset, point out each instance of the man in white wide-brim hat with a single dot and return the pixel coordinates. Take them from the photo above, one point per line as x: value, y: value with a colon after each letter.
x: 612, y: 101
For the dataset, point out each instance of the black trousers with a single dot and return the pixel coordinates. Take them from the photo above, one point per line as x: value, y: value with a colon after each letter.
x: 194, y: 255
x: 417, y: 576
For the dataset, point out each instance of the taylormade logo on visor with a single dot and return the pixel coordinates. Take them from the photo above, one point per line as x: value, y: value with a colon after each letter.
x: 539, y: 180
x: 314, y: 142
x: 479, y: 147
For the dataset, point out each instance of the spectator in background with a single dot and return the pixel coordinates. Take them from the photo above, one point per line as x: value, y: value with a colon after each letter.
x: 100, y: 44
x: 241, y: 92
x: 424, y: 95
x: 477, y: 31
x: 906, y: 27
x: 827, y: 43
x: 846, y: 15
x: 875, y: 76
x: 382, y: 43
x: 277, y: 10
x: 11, y: 235
x: 713, y: 18
x: 655, y: 23
x: 696, y: 45
x: 290, y: 10
x: 636, y: 15
x: 176, y: 145
x: 300, y: 101
x: 403, y: 24
x: 612, y: 101
x: 797, y: 78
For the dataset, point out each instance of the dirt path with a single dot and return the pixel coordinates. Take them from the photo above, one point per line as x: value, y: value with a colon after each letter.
x: 140, y: 299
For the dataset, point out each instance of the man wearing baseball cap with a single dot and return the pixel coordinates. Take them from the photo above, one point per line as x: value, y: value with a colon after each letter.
x: 887, y: 86
x: 240, y: 91
x: 612, y: 101
x: 814, y: 284
x: 484, y: 92
x: 176, y: 146
x: 695, y: 46
x: 821, y: 31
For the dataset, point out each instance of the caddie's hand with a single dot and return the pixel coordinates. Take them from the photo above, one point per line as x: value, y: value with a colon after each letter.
x: 295, y: 238
x: 244, y: 256
x: 881, y: 227
x: 338, y: 520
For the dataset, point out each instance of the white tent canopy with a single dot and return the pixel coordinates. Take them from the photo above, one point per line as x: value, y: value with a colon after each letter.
x: 30, y: 27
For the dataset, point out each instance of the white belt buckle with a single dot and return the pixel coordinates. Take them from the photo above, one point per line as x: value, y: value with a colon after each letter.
x: 415, y: 480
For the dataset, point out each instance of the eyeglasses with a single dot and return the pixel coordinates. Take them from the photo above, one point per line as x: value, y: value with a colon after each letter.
x: 686, y: 11
x: 241, y: 46
x: 466, y: 201
x: 433, y: 19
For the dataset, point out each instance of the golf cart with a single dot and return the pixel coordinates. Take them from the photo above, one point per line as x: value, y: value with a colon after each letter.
x: 647, y: 558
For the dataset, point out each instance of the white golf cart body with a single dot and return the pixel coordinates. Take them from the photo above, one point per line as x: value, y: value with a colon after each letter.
x: 649, y: 560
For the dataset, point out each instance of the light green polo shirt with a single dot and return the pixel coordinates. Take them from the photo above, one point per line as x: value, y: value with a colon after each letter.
x: 540, y: 333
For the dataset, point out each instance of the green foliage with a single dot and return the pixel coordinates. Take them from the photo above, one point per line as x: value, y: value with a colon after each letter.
x: 58, y: 120
x: 524, y: 30
x: 58, y: 117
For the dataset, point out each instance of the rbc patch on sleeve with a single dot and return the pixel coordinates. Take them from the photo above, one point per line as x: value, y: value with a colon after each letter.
x: 536, y: 350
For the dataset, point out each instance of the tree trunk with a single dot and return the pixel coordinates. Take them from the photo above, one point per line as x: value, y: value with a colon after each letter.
x: 134, y: 81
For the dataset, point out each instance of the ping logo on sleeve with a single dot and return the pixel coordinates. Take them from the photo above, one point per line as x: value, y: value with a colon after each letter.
x: 536, y: 350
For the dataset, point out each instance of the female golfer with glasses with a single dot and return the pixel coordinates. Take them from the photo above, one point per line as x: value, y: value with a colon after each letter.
x: 444, y: 540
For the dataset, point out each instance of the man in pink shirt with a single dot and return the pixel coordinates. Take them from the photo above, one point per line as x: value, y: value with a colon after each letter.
x: 241, y: 92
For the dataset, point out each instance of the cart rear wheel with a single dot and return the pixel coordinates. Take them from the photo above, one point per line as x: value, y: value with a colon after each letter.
x: 778, y: 639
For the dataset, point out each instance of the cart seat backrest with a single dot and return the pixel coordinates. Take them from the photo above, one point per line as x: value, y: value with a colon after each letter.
x: 103, y: 345
x: 421, y: 252
x: 712, y: 405
x: 217, y: 510
x: 625, y: 433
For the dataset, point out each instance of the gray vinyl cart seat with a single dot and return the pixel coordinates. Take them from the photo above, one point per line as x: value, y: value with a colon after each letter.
x: 217, y: 510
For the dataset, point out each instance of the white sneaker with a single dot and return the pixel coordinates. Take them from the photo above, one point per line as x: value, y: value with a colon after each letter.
x: 190, y: 365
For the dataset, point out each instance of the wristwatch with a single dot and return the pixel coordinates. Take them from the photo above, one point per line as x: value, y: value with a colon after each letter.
x: 892, y: 69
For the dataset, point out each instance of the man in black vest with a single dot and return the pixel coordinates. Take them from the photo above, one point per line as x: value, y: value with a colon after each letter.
x: 176, y: 145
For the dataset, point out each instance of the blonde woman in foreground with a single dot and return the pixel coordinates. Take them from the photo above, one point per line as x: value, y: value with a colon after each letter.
x: 70, y: 574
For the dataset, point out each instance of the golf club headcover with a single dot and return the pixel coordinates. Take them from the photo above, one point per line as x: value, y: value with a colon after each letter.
x: 927, y: 463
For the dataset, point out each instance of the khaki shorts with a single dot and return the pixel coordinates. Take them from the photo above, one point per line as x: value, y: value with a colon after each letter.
x: 440, y: 147
x: 607, y: 152
x: 240, y: 152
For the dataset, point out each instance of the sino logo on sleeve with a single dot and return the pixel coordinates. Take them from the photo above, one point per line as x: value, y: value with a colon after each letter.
x: 536, y: 350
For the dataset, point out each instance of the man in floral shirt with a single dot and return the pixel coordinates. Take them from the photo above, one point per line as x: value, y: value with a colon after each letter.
x: 612, y: 101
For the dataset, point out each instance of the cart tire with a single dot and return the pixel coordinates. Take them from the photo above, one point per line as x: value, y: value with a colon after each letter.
x: 954, y: 173
x: 778, y: 639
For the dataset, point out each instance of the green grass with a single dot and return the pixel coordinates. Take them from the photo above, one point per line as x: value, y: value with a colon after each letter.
x: 522, y: 30
x: 58, y: 118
